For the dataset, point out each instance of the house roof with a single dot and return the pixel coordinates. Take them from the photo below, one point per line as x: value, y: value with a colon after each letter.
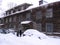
x: 18, y: 6
x: 32, y: 7
x: 45, y: 4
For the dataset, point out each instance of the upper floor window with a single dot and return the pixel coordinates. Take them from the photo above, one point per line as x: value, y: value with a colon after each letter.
x: 7, y: 13
x: 20, y: 18
x: 10, y: 19
x: 38, y: 15
x: 28, y: 16
x: 22, y: 8
x: 49, y: 13
x: 14, y: 19
x: 11, y: 11
x: 14, y: 11
x: 6, y: 20
x: 19, y: 9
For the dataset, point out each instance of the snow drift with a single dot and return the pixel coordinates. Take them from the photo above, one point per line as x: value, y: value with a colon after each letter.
x: 34, y: 33
x: 30, y: 38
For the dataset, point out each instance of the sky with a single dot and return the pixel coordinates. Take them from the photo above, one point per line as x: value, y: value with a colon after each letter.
x: 17, y: 2
x: 5, y: 4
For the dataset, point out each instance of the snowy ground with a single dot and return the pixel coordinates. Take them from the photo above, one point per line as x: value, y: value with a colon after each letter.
x: 29, y: 37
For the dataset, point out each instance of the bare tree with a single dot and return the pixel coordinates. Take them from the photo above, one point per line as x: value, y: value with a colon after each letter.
x: 11, y: 4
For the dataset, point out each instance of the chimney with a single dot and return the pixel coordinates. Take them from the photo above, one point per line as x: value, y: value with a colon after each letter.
x: 40, y: 2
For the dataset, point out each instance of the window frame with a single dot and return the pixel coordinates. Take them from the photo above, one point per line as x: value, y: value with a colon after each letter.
x: 51, y: 24
x: 49, y: 13
x: 10, y: 19
x: 38, y: 15
x: 28, y: 16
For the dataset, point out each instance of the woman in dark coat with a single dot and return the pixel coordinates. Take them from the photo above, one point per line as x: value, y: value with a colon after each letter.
x: 19, y: 32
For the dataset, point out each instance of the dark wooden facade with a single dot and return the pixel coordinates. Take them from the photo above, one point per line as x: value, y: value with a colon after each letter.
x: 45, y: 18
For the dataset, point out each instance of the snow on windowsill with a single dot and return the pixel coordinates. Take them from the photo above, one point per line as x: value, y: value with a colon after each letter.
x: 25, y: 22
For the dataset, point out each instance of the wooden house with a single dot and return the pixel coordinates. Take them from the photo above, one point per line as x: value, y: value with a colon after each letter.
x: 44, y: 18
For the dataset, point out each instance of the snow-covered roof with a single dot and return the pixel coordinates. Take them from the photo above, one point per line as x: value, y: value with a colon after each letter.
x: 25, y: 22
x: 45, y: 4
x: 35, y: 6
x: 32, y: 7
x: 18, y: 6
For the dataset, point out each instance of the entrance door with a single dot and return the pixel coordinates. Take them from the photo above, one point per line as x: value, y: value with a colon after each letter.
x: 49, y: 27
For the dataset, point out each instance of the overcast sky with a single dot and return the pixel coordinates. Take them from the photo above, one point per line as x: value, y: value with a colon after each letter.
x: 4, y: 3
x: 35, y: 2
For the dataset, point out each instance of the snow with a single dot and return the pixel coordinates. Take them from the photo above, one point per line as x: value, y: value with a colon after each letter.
x: 25, y: 22
x: 35, y: 33
x: 33, y: 6
x: 11, y: 39
x: 45, y: 4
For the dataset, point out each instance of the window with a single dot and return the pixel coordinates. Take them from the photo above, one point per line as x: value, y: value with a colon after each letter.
x: 6, y: 20
x: 19, y: 9
x: 39, y: 26
x: 14, y: 11
x: 22, y: 8
x: 38, y: 15
x: 49, y: 27
x: 11, y: 11
x: 10, y: 19
x: 19, y: 18
x: 9, y: 25
x: 7, y: 13
x: 0, y: 20
x: 49, y: 13
x: 28, y: 16
x: 14, y: 18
